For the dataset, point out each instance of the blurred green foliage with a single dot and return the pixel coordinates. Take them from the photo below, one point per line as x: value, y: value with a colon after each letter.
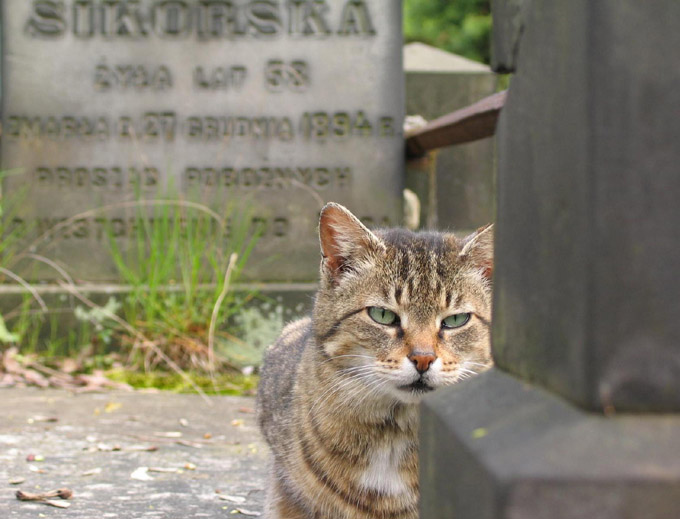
x: 459, y: 26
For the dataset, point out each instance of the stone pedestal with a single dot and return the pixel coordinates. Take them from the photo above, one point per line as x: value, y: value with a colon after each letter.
x: 496, y: 447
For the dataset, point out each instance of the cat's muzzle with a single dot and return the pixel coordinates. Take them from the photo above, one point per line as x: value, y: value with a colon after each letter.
x: 417, y: 386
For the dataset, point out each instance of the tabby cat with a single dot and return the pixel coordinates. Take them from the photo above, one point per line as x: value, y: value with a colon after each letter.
x: 397, y: 315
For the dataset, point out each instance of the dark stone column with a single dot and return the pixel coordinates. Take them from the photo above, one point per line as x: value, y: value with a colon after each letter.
x: 587, y: 296
x: 587, y: 279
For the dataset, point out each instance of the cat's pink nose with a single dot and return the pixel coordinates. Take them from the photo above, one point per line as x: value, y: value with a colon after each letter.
x: 422, y: 360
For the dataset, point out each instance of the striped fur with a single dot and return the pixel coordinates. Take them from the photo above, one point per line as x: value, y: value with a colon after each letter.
x: 335, y: 401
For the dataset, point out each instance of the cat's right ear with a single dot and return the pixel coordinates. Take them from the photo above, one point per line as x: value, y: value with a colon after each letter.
x: 345, y: 241
x: 478, y: 250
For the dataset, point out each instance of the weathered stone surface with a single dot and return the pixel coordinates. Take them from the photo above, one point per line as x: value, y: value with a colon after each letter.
x: 232, y: 461
x: 438, y: 83
x: 508, y: 25
x: 586, y: 282
x: 495, y: 447
x: 271, y: 107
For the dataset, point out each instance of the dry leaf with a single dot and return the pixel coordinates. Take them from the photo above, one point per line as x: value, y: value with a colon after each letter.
x: 141, y: 474
x: 479, y: 433
x: 112, y: 406
x: 39, y: 418
x: 164, y: 469
x: 187, y: 443
x: 69, y: 365
x: 35, y: 378
x: 141, y: 448
x: 243, y: 511
x: 92, y: 472
x: 105, y: 447
x: 237, y: 423
x: 169, y: 434
x: 239, y: 500
x: 16, y: 481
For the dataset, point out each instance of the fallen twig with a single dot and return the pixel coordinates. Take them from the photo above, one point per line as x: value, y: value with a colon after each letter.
x: 47, y: 497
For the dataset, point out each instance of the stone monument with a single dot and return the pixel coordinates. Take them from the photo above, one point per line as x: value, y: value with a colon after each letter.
x: 581, y: 416
x: 273, y: 107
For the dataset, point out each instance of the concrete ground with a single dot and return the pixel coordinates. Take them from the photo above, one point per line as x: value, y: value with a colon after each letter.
x: 210, y: 460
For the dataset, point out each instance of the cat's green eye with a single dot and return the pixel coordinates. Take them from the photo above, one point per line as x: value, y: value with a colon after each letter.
x: 382, y: 315
x: 455, y: 320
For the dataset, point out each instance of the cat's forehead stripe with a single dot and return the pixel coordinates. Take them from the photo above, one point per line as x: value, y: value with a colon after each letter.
x: 418, y: 272
x: 397, y: 294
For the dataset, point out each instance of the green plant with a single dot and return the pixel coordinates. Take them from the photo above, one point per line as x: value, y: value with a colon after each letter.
x: 462, y: 27
x: 178, y: 267
x: 11, y: 236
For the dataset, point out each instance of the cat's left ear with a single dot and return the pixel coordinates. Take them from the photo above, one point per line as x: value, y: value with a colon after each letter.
x: 478, y: 250
x: 345, y: 241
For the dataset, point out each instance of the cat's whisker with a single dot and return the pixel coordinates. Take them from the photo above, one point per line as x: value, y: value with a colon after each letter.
x: 377, y: 385
x: 354, y: 369
x: 344, y: 356
x: 368, y: 379
x: 338, y: 385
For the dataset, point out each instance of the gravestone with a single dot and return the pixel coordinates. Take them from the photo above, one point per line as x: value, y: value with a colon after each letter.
x: 437, y: 83
x: 581, y: 416
x: 270, y: 107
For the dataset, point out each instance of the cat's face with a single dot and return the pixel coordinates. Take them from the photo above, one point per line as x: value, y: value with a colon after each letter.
x: 401, y: 314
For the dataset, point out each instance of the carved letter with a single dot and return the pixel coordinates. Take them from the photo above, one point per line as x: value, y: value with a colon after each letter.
x: 102, y: 77
x: 47, y: 19
x: 129, y: 21
x: 265, y: 17
x: 308, y: 18
x: 83, y: 18
x: 356, y: 19
x: 238, y: 76
x: 285, y: 129
x: 162, y: 79
x: 172, y: 18
x: 44, y: 175
x: 122, y: 19
x: 216, y: 19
